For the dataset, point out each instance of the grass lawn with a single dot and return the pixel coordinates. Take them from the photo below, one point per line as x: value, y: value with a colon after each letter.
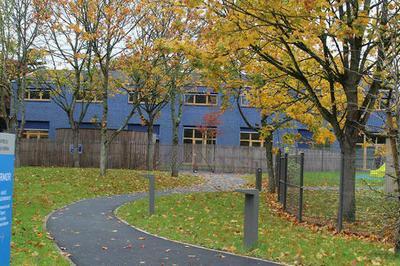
x: 215, y: 220
x: 38, y: 191
x: 371, y: 212
x: 313, y: 179
x: 329, y: 179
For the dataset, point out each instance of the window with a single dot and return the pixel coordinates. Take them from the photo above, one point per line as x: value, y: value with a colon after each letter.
x: 192, y: 135
x: 243, y: 101
x: 131, y: 97
x: 35, y: 134
x: 33, y: 94
x: 250, y: 139
x: 89, y: 96
x: 201, y: 98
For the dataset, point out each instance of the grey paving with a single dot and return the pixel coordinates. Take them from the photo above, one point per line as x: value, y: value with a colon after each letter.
x: 92, y: 235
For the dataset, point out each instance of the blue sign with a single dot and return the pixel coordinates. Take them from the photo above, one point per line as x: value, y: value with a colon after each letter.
x: 7, y: 150
x: 72, y: 148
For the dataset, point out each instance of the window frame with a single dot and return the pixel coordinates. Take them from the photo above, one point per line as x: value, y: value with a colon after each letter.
x: 250, y: 140
x: 206, y: 94
x: 129, y: 93
x: 41, y: 92
x: 194, y: 138
x: 35, y: 134
x: 95, y: 100
x: 242, y: 104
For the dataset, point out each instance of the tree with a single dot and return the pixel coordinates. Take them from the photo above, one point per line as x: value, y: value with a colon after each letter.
x: 389, y: 100
x: 209, y: 131
x: 239, y: 76
x: 67, y: 45
x: 335, y: 50
x: 108, y: 25
x: 160, y: 67
x: 20, y: 24
x: 181, y: 26
x: 7, y: 69
x: 144, y: 66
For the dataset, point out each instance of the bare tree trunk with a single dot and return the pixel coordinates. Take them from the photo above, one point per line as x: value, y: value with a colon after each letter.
x: 393, y: 140
x: 348, y: 147
x: 103, y: 157
x: 175, y: 152
x: 268, y: 142
x: 75, y: 143
x: 175, y: 137
x: 103, y: 131
x: 20, y: 109
x: 150, y: 148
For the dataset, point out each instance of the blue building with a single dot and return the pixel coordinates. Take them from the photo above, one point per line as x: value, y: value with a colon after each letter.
x: 44, y: 116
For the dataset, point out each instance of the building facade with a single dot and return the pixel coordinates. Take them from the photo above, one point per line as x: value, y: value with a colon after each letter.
x: 44, y: 116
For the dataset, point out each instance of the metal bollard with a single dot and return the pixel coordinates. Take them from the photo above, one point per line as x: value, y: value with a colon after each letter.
x: 250, y: 217
x: 151, y: 193
x: 259, y: 179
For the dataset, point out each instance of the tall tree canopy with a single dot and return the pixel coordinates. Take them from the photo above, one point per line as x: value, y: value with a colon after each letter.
x: 335, y: 50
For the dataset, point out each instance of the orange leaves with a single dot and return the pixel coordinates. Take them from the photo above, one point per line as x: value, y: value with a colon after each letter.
x: 75, y: 27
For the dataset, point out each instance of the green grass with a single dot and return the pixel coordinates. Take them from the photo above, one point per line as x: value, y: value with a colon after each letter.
x: 371, y: 212
x: 38, y: 191
x: 327, y: 179
x: 313, y: 179
x: 215, y: 220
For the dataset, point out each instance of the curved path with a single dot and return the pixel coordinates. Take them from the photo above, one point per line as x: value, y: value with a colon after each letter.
x: 91, y: 234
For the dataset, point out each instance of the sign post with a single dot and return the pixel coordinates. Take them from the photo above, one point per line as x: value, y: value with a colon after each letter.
x: 7, y: 153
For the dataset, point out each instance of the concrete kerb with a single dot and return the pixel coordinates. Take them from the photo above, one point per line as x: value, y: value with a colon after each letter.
x: 184, y: 243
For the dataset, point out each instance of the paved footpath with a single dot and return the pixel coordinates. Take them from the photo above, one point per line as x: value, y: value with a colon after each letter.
x: 89, y: 231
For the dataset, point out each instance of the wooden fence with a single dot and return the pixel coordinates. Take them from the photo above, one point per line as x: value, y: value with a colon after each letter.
x: 129, y: 151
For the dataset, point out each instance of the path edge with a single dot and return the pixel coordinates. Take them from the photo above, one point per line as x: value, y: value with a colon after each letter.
x: 53, y: 240
x: 114, y: 212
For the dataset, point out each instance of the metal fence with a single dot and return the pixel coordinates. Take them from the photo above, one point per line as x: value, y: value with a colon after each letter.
x: 290, y: 177
x: 313, y: 195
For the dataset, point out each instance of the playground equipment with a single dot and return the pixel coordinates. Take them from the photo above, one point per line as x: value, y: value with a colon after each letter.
x: 380, y: 172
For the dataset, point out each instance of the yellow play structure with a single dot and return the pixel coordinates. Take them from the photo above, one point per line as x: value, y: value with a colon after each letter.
x: 380, y: 172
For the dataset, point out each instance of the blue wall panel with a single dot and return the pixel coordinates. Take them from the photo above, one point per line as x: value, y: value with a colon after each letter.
x: 119, y: 108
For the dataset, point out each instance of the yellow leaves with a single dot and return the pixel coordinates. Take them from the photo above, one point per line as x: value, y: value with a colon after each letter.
x: 324, y: 136
x: 76, y: 28
x: 231, y: 249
